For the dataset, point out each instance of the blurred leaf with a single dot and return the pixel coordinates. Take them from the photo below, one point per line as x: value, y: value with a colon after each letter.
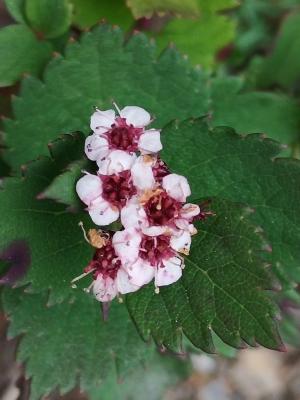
x: 216, y: 5
x: 146, y: 8
x: 16, y: 9
x: 22, y: 52
x: 87, y: 13
x: 69, y: 342
x: 49, y: 18
x: 221, y: 289
x: 243, y: 169
x: 200, y: 39
x: 282, y: 67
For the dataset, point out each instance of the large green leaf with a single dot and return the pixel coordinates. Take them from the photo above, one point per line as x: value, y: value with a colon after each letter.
x: 70, y: 341
x: 221, y: 289
x: 130, y: 74
x: 21, y: 52
x: 16, y: 9
x: 50, y: 18
x: 245, y: 169
x: 87, y: 13
x: 146, y: 8
x: 58, y: 250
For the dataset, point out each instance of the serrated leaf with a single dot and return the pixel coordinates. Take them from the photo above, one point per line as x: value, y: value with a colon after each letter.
x: 200, y: 39
x: 244, y: 169
x: 50, y: 18
x: 62, y: 188
x: 221, y: 289
x: 22, y: 52
x: 130, y: 74
x: 87, y: 13
x: 57, y: 248
x: 283, y: 65
x: 146, y: 8
x: 16, y: 9
x: 70, y: 341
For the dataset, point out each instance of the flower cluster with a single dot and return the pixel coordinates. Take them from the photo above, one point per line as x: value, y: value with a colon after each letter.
x: 135, y: 186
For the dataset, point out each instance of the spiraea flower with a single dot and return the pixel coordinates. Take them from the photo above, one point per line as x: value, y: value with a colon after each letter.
x: 117, y: 138
x: 135, y: 186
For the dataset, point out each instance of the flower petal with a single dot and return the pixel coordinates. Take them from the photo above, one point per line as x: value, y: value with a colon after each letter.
x: 181, y: 242
x: 104, y: 289
x: 124, y: 283
x: 189, y: 211
x: 127, y: 245
x: 169, y: 273
x: 149, y: 142
x: 133, y: 214
x: 102, y: 213
x: 88, y: 188
x: 154, y: 230
x: 142, y: 174
x: 101, y: 121
x: 141, y: 272
x: 136, y: 116
x: 176, y: 186
x: 115, y: 162
x: 96, y: 147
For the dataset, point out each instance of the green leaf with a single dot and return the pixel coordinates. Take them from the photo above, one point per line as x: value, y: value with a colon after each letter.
x: 62, y: 188
x: 130, y: 74
x: 283, y: 65
x: 57, y: 247
x: 216, y: 5
x: 70, y: 341
x: 221, y: 290
x: 21, y: 53
x: 87, y: 13
x: 146, y: 8
x: 200, y: 39
x: 50, y: 18
x: 16, y: 9
x: 243, y: 169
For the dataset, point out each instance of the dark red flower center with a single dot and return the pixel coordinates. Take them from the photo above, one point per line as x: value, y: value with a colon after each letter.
x: 117, y: 189
x: 160, y: 170
x: 161, y: 209
x: 123, y: 137
x: 104, y: 262
x: 155, y: 249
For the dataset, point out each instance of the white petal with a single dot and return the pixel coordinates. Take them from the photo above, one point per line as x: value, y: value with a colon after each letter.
x: 181, y: 242
x: 104, y: 289
x: 96, y: 147
x: 136, y: 116
x: 169, y: 273
x: 133, y: 214
x: 88, y: 188
x: 189, y: 211
x: 102, y: 213
x: 154, y: 230
x: 101, y: 121
x: 182, y: 223
x: 149, y: 142
x: 141, y: 272
x: 127, y: 245
x: 115, y: 162
x: 142, y: 174
x: 124, y: 282
x: 177, y: 187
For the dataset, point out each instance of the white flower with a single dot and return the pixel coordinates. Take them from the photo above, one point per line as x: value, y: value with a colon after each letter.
x: 125, y: 132
x: 89, y: 190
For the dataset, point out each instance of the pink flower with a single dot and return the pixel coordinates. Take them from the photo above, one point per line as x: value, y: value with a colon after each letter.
x: 147, y: 257
x: 110, y: 278
x: 158, y: 209
x: 124, y: 134
x: 105, y: 195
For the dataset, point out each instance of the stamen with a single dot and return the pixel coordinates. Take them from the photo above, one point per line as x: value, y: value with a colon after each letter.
x: 82, y: 276
x: 84, y: 232
x: 156, y: 290
x: 117, y: 108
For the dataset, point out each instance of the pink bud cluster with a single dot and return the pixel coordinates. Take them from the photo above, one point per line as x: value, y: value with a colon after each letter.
x: 135, y: 186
